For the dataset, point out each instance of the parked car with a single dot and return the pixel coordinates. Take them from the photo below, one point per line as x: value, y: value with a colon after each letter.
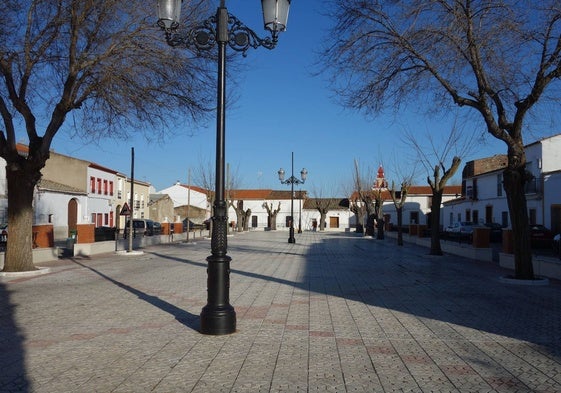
x: 460, y: 229
x: 496, y: 231
x: 157, y: 228
x: 193, y: 225
x: 143, y: 227
x: 3, y: 235
x: 104, y: 233
x: 540, y: 236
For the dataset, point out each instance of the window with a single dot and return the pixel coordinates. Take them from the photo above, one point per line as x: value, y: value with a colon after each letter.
x: 105, y: 187
x: 106, y: 219
x: 111, y: 219
x: 500, y: 184
x: 110, y: 188
x: 93, y: 218
x: 532, y: 216
x: 92, y: 185
x: 504, y: 219
x: 99, y: 186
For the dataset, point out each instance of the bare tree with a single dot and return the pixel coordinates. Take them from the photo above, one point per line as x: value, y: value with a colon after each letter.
x: 100, y: 62
x: 272, y: 215
x: 497, y: 57
x: 377, y: 196
x: 241, y: 214
x: 363, y: 202
x: 204, y: 177
x: 322, y: 205
x: 399, y: 198
x: 433, y: 156
x: 236, y: 204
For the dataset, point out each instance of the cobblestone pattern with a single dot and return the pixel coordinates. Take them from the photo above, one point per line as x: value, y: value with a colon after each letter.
x: 331, y: 313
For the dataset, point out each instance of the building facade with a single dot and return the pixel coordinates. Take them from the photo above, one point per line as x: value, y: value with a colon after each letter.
x: 483, y: 199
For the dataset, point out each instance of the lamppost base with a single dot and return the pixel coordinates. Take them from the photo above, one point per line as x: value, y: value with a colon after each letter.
x: 291, y: 238
x: 218, y: 320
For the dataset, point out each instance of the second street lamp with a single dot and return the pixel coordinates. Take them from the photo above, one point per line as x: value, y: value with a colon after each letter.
x: 292, y: 181
x: 218, y: 316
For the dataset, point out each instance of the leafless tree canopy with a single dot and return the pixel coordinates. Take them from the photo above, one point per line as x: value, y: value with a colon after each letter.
x: 494, y: 56
x: 102, y: 61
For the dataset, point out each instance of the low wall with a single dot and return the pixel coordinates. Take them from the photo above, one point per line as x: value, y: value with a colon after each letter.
x: 462, y: 249
x: 39, y: 255
x: 543, y: 266
x: 88, y: 249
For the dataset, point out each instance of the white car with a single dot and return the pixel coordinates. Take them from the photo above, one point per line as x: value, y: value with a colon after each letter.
x: 460, y: 228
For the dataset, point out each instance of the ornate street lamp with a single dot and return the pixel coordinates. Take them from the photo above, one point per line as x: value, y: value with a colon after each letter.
x: 218, y: 316
x: 292, y: 181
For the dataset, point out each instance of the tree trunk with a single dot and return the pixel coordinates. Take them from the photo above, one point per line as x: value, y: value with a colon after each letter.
x: 514, y: 181
x: 322, y: 221
x: 399, y: 212
x: 19, y: 249
x: 435, y: 248
x: 380, y: 228
x: 247, y: 216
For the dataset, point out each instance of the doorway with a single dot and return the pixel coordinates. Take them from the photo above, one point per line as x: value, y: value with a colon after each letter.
x: 72, y: 216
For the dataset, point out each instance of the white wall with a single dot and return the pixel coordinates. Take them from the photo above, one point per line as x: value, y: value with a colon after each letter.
x: 179, y: 195
x: 551, y: 154
x: 55, y: 205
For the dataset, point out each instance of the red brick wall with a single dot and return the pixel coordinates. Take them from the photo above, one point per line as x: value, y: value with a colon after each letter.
x: 86, y: 233
x: 43, y: 236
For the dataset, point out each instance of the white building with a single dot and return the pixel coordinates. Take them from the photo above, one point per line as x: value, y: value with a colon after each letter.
x: 483, y: 197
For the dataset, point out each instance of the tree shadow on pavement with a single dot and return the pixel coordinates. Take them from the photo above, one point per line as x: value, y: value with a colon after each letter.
x: 184, y: 317
x: 13, y: 377
x: 450, y: 289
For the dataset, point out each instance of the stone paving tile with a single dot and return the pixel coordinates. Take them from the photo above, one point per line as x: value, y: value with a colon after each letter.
x: 333, y: 312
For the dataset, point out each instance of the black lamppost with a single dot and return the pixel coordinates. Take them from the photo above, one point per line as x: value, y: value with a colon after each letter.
x: 292, y: 181
x: 218, y: 316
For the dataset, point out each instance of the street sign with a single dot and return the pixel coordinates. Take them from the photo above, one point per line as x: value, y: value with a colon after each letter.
x: 125, y: 211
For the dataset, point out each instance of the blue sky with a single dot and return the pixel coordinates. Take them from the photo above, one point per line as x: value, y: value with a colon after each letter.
x: 281, y: 109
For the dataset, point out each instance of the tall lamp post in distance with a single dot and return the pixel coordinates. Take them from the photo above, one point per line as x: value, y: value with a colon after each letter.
x: 218, y: 317
x: 292, y: 180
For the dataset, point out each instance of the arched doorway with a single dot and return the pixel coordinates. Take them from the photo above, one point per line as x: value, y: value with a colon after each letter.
x: 72, y: 216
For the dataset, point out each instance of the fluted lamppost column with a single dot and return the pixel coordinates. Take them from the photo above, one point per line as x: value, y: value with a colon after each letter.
x: 218, y: 317
x: 292, y: 180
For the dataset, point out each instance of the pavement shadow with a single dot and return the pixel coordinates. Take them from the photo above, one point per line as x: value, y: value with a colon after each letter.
x: 448, y: 289
x: 13, y: 377
x: 184, y: 317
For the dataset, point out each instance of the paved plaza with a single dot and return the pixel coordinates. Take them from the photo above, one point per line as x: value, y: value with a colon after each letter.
x: 335, y: 312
